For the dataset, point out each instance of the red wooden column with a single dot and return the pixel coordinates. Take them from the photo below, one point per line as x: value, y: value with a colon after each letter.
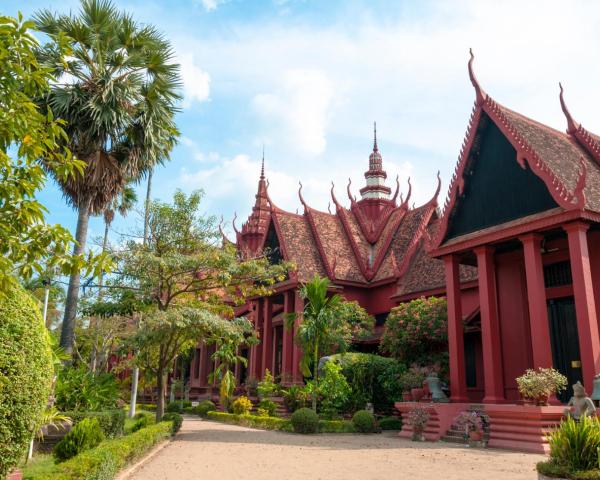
x: 267, y: 337
x: 204, y: 363
x: 490, y: 326
x: 585, y: 308
x: 456, y: 340
x: 256, y: 350
x: 297, y: 376
x: 536, y: 298
x: 288, y: 339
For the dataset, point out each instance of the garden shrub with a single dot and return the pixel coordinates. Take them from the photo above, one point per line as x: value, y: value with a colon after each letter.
x: 268, y: 407
x: 78, y: 389
x: 112, y: 422
x: 305, y: 420
x: 333, y: 389
x: 372, y: 378
x: 241, y: 405
x: 390, y: 423
x: 84, y: 435
x: 295, y: 397
x: 25, y: 374
x: 142, y: 420
x: 175, y: 418
x: 267, y: 423
x: 575, y: 444
x: 104, y: 461
x: 417, y: 332
x: 204, y: 407
x: 173, y: 407
x: 336, y: 426
x: 267, y: 387
x: 364, y: 422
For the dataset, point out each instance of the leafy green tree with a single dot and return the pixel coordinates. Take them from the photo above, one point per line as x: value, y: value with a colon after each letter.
x: 117, y: 94
x: 28, y: 245
x: 191, y: 283
x: 329, y: 323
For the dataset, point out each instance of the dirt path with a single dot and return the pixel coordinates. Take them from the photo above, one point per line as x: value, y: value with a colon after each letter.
x: 210, y: 450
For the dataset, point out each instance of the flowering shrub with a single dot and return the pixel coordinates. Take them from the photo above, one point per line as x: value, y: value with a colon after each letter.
x: 541, y: 383
x: 417, y: 331
x: 418, y: 418
x: 469, y: 421
x: 242, y: 405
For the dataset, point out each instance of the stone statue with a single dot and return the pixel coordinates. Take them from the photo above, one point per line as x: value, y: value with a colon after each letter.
x: 580, y: 404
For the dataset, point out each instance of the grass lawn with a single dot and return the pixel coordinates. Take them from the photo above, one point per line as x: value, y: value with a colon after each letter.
x: 38, y: 466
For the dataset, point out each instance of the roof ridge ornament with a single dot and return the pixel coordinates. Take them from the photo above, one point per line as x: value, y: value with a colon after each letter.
x: 375, y: 148
x: 350, y: 196
x: 306, y: 207
x: 481, y: 96
x: 397, y: 189
x: 233, y: 223
x: 335, y: 201
x: 262, y: 168
x: 572, y: 125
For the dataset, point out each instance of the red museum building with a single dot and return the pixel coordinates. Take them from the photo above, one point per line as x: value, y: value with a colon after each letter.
x: 516, y: 251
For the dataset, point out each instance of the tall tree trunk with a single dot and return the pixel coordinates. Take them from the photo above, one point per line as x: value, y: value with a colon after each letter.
x: 136, y: 371
x: 161, y: 380
x: 68, y: 327
x: 315, y: 377
x: 94, y: 320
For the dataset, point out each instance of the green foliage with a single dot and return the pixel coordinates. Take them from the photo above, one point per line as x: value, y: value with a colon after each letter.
x: 372, y: 378
x: 364, y: 422
x: 79, y: 389
x: 242, y: 405
x: 111, y: 421
x: 25, y: 374
x: 267, y: 387
x: 295, y: 397
x: 305, y: 420
x: 333, y: 388
x: 417, y: 331
x: 175, y: 418
x: 390, y: 423
x: 254, y: 421
x: 268, y: 407
x: 575, y: 444
x: 328, y: 323
x: 83, y: 436
x: 204, y: 407
x: 28, y: 133
x: 336, y: 426
x: 104, y: 461
x: 174, y: 407
x: 141, y: 420
x: 541, y: 383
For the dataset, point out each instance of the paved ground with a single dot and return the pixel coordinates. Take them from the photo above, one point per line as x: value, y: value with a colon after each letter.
x: 210, y: 450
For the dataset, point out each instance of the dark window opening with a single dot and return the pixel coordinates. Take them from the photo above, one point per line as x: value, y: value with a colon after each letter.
x: 381, y: 318
x: 272, y: 248
x: 558, y: 274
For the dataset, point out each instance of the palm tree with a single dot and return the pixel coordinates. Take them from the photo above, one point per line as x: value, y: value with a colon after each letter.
x: 117, y: 93
x: 319, y: 329
x: 121, y: 204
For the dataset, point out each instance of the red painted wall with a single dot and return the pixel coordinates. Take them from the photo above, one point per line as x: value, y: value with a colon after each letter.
x: 594, y: 247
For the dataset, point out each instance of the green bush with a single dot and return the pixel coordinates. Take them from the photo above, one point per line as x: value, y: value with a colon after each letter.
x: 254, y: 421
x: 203, y: 408
x: 305, y: 420
x: 112, y: 422
x: 241, y: 405
x: 364, y: 422
x: 175, y: 418
x: 575, y: 444
x: 25, y: 374
x: 84, y: 435
x: 390, y: 423
x: 295, y: 397
x: 268, y: 406
x: 333, y: 389
x: 336, y: 426
x: 267, y: 387
x: 78, y: 389
x: 372, y: 378
x: 173, y: 407
x: 104, y: 461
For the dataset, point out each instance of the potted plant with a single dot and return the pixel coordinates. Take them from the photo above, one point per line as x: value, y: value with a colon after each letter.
x: 538, y: 385
x: 418, y: 418
x: 472, y: 423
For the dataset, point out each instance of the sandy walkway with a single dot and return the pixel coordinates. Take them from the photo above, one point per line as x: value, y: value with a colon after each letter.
x: 210, y: 450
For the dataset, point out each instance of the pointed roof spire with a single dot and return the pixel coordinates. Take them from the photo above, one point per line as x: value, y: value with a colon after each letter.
x: 375, y: 149
x: 572, y: 125
x: 262, y: 168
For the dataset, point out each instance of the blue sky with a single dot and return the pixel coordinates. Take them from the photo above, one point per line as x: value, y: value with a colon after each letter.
x: 307, y: 78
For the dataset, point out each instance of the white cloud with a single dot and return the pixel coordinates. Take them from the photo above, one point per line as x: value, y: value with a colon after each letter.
x: 301, y: 106
x: 196, y: 82
x: 210, y: 5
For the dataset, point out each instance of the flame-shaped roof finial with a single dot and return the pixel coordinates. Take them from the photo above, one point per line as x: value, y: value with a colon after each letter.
x: 480, y: 94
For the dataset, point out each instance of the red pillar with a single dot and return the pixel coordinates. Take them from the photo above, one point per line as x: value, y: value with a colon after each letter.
x: 297, y: 376
x: 490, y: 326
x: 288, y: 340
x: 536, y: 298
x: 256, y: 350
x: 203, y: 370
x: 456, y: 344
x: 585, y: 308
x: 267, y: 337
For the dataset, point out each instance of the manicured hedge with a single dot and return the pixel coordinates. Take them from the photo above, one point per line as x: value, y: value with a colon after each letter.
x: 111, y: 422
x: 104, y: 461
x: 274, y: 423
x: 390, y: 423
x: 25, y: 374
x: 554, y: 470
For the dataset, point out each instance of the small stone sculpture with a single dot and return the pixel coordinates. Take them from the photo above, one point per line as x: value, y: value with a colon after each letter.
x: 435, y: 389
x: 580, y: 404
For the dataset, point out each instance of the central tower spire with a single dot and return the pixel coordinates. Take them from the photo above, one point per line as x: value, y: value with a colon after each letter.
x: 376, y: 175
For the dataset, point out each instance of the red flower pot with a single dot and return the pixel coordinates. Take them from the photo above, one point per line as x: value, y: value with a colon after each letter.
x: 417, y: 394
